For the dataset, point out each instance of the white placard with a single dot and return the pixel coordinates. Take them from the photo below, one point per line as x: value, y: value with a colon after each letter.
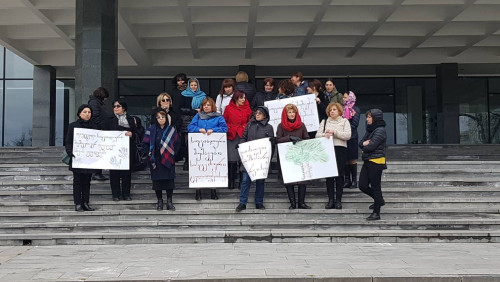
x: 97, y: 149
x: 255, y: 156
x: 306, y: 104
x: 307, y: 159
x: 207, y: 160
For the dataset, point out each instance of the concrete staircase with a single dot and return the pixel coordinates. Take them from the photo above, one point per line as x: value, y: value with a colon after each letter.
x: 427, y: 201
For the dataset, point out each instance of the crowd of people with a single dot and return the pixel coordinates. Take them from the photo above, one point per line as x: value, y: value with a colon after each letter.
x: 238, y: 111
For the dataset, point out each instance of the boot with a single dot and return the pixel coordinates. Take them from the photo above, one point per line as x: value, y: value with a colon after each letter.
x: 347, y: 175
x: 86, y: 207
x: 213, y: 194
x: 291, y: 197
x: 197, y: 197
x: 231, y: 175
x: 373, y: 205
x: 338, y: 193
x: 170, y: 206
x: 302, y: 198
x: 331, y: 195
x: 79, y: 208
x: 159, y: 205
x: 354, y: 174
x: 374, y: 216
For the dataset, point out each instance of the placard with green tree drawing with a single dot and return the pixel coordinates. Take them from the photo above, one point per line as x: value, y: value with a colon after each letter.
x: 307, y: 159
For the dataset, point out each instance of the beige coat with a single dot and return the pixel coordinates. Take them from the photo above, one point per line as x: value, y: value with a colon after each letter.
x: 341, y: 130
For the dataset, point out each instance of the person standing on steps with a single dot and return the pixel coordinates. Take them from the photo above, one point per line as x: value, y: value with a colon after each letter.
x: 257, y: 128
x: 332, y: 93
x: 81, y: 176
x: 373, y: 146
x: 339, y: 129
x: 163, y: 142
x: 122, y: 121
x: 97, y: 103
x: 292, y: 129
x: 351, y: 113
x: 237, y: 114
x: 207, y: 121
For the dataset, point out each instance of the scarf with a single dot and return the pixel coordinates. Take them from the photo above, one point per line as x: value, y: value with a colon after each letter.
x: 349, y: 105
x: 204, y: 115
x: 197, y: 96
x: 375, y: 124
x: 168, y: 145
x: 290, y: 125
x: 122, y: 120
x: 284, y: 96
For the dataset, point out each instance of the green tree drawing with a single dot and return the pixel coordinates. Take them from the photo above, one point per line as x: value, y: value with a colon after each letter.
x: 304, y: 152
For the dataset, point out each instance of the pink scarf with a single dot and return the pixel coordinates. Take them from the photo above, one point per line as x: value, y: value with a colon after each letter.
x: 348, y: 106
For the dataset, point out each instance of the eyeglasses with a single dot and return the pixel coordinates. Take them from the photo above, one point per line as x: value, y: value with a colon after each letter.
x: 259, y: 113
x: 160, y: 117
x: 166, y: 100
x: 117, y: 106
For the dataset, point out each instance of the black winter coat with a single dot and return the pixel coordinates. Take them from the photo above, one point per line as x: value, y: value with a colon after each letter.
x: 68, y: 145
x: 376, y: 148
x: 111, y: 123
x: 262, y: 97
x: 257, y: 130
x: 248, y: 89
x: 323, y: 104
x: 354, y: 121
x: 99, y: 113
x: 177, y: 98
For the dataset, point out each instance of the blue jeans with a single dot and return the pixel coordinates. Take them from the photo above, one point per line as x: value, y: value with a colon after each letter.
x: 245, y: 189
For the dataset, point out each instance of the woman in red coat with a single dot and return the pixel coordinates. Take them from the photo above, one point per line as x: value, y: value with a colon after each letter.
x: 237, y: 114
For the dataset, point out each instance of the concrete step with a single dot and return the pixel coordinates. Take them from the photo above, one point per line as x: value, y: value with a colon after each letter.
x: 243, y: 236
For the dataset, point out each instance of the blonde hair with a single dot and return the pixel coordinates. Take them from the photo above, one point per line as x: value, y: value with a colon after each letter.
x: 292, y: 107
x: 160, y: 96
x: 336, y: 105
x: 241, y: 76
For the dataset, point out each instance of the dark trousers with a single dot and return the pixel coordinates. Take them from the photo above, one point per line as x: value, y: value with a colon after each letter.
x: 81, y: 187
x: 159, y: 193
x: 338, y: 182
x: 370, y: 178
x: 126, y: 178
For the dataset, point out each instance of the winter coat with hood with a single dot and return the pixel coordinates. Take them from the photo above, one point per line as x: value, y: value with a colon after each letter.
x: 236, y: 118
x: 377, y: 135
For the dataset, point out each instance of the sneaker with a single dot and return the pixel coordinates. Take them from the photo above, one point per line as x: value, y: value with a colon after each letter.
x: 241, y: 207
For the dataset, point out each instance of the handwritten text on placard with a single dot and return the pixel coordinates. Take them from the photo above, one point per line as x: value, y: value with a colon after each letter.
x: 207, y: 160
x: 307, y: 109
x: 256, y: 156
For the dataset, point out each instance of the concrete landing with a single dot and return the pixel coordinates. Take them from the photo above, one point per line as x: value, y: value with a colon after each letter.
x: 383, y: 262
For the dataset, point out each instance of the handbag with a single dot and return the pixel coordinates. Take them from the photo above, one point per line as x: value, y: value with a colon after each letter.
x: 65, y: 158
x: 140, y: 156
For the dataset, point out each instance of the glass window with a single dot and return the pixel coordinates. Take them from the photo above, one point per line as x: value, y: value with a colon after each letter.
x: 1, y: 62
x: 213, y: 90
x: 138, y: 87
x: 495, y: 118
x: 17, y: 67
x: 473, y: 111
x: 141, y: 106
x: 371, y: 85
x: 494, y: 85
x: 1, y: 109
x: 382, y: 102
x: 19, y: 113
x: 65, y: 92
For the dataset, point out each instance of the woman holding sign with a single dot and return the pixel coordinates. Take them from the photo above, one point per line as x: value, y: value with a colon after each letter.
x: 208, y: 120
x: 81, y: 176
x: 123, y: 122
x: 163, y: 142
x: 292, y: 129
x: 339, y: 129
x: 236, y: 115
x: 257, y: 128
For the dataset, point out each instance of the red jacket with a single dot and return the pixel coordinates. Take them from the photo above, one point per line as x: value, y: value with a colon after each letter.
x: 236, y: 118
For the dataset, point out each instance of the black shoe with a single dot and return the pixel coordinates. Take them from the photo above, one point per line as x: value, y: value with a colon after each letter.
x: 213, y: 194
x: 159, y: 205
x: 116, y: 199
x: 303, y: 206
x: 127, y: 198
x: 170, y: 205
x: 348, y: 184
x: 185, y: 166
x: 260, y: 206
x: 338, y: 205
x: 330, y: 205
x: 79, y: 208
x: 292, y: 206
x: 86, y: 207
x: 241, y: 207
x: 99, y: 177
x: 374, y: 216
x: 373, y: 205
x: 197, y: 197
x: 354, y: 184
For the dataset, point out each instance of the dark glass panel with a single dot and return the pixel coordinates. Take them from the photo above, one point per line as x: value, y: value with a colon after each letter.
x: 19, y: 113
x: 371, y: 85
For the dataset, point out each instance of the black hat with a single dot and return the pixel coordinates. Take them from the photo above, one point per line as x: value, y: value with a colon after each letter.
x: 80, y: 109
x: 377, y: 114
